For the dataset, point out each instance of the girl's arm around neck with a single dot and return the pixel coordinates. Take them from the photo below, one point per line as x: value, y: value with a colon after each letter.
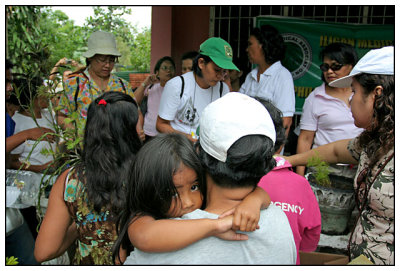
x: 247, y: 214
x: 150, y: 235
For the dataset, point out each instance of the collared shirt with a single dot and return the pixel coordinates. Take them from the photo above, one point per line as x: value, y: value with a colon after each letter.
x: 329, y: 117
x: 275, y: 85
x: 89, y: 91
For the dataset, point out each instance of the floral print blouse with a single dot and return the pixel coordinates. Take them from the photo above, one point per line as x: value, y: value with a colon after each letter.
x: 89, y: 91
x: 374, y: 231
x: 97, y: 231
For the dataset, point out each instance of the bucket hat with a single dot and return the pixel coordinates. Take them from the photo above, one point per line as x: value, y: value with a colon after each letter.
x: 220, y: 53
x: 377, y: 61
x: 102, y: 43
x: 230, y: 118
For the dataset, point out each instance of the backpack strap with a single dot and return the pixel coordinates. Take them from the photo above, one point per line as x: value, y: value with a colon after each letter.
x: 122, y: 84
x: 78, y: 89
x: 221, y: 87
x: 183, y: 86
x: 76, y: 93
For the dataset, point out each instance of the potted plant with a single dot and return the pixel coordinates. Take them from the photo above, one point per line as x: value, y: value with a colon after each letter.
x: 335, y: 195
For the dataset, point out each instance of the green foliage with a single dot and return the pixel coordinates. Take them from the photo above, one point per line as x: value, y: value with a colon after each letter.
x: 11, y: 260
x: 25, y: 45
x: 110, y: 19
x: 133, y: 46
x: 62, y: 37
x: 140, y: 57
x: 37, y: 37
x: 320, y: 170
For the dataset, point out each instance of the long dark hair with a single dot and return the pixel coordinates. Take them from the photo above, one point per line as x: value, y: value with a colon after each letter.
x: 378, y: 139
x: 271, y: 41
x: 340, y: 52
x: 110, y: 144
x: 150, y: 185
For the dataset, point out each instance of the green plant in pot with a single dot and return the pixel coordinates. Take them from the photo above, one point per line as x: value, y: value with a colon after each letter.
x: 334, y: 195
x: 320, y: 170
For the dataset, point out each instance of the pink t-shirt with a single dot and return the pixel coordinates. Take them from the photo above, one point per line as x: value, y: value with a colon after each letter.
x: 329, y: 117
x: 153, y: 102
x: 293, y: 194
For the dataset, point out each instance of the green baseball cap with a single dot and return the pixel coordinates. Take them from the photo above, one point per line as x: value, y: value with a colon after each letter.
x: 220, y: 52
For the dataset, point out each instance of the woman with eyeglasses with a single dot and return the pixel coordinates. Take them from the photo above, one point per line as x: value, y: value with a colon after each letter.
x: 372, y: 107
x: 89, y: 82
x: 152, y: 88
x: 326, y: 112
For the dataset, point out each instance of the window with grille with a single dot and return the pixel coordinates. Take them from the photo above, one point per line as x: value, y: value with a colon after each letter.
x: 233, y: 23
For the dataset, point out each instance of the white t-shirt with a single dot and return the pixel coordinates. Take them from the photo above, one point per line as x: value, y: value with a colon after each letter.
x: 184, y: 113
x: 275, y: 85
x: 24, y: 123
x: 273, y: 243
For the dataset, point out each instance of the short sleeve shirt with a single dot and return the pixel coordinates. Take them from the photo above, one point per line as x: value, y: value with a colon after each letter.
x: 184, y: 112
x: 153, y: 103
x: 374, y: 232
x: 88, y: 91
x: 329, y: 117
x: 275, y: 85
x: 37, y: 153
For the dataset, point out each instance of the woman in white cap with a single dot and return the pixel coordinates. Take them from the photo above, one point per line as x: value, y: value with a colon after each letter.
x: 86, y: 84
x: 372, y: 106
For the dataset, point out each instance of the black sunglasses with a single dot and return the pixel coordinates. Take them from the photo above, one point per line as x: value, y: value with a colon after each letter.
x: 334, y: 67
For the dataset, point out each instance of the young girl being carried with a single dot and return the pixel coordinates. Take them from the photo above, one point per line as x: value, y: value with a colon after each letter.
x: 166, y: 181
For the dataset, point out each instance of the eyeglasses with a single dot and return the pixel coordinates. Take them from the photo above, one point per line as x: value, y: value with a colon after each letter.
x: 110, y: 60
x: 167, y: 68
x: 221, y: 72
x: 334, y: 67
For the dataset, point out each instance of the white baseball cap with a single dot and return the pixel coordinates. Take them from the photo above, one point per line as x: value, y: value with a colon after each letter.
x: 377, y: 61
x: 229, y: 118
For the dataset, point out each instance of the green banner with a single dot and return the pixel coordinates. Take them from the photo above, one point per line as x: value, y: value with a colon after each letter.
x: 304, y: 40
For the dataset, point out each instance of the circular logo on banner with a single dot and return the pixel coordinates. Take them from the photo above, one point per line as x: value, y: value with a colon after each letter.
x: 298, y: 57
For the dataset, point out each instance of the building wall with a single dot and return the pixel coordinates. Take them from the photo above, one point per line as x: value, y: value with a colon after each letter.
x: 161, y: 33
x: 177, y: 29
